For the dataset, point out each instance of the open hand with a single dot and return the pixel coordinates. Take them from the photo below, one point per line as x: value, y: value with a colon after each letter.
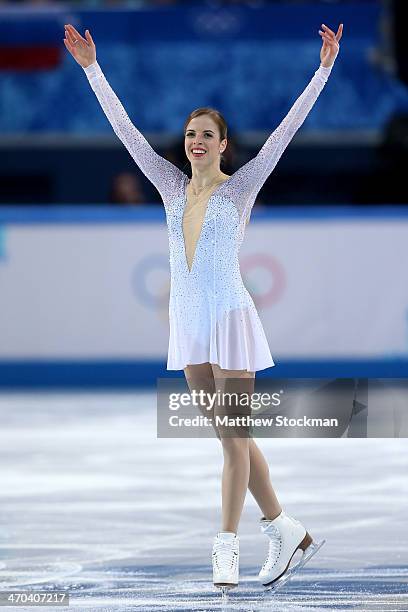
x: 330, y: 46
x: 82, y: 49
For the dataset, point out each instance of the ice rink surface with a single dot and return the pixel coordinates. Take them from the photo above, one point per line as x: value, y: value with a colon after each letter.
x: 92, y: 503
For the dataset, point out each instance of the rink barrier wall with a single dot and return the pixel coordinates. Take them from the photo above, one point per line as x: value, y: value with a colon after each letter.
x: 28, y: 215
x: 22, y: 374
x: 45, y: 375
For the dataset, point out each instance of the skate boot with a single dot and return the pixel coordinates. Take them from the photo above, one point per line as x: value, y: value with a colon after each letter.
x: 286, y: 536
x: 225, y: 560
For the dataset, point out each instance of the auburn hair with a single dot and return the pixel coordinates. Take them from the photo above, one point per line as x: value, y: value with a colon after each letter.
x: 214, y: 114
x: 217, y: 118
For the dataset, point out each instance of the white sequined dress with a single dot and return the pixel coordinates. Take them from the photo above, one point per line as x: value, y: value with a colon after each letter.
x: 212, y: 316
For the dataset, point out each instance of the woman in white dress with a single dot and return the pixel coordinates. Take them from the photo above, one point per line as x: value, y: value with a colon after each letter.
x: 216, y: 335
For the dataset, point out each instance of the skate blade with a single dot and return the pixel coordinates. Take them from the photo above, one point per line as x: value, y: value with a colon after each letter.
x: 225, y: 589
x: 224, y: 586
x: 307, y: 555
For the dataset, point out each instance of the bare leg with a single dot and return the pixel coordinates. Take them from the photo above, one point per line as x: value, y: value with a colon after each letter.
x: 259, y: 477
x: 260, y: 483
x: 235, y: 445
x: 201, y: 376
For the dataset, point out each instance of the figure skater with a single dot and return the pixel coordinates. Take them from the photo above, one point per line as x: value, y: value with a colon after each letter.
x: 215, y: 333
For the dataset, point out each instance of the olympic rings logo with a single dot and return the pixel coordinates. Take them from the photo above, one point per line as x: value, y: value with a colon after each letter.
x: 151, y: 281
x: 268, y: 289
x: 263, y: 275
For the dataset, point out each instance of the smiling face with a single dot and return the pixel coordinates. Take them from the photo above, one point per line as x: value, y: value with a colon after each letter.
x: 203, y: 134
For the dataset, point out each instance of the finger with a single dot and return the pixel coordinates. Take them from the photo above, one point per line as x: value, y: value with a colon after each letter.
x: 326, y: 39
x: 70, y: 31
x: 69, y: 36
x: 330, y: 36
x: 89, y: 38
x: 328, y: 30
x: 76, y: 34
x: 325, y: 43
x: 330, y: 41
x: 68, y: 46
x: 339, y: 32
x: 74, y: 40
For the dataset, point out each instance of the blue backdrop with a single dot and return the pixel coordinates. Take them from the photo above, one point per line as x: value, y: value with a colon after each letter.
x: 250, y: 62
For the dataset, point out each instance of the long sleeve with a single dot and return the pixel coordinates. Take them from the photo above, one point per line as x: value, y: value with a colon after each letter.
x: 254, y: 173
x: 164, y: 175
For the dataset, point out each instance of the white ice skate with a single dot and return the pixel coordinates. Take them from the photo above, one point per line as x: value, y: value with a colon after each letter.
x: 225, y: 560
x: 286, y: 536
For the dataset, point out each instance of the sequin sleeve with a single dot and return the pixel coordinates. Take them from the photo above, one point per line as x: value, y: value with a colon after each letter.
x: 164, y: 175
x: 249, y: 179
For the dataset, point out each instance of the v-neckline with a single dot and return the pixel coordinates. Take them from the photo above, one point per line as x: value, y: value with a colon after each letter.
x: 187, y: 182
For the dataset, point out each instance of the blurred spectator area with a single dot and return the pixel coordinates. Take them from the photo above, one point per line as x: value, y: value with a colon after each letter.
x: 163, y: 59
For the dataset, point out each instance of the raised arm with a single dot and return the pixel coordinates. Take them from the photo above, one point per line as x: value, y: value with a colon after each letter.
x: 164, y: 175
x: 255, y: 172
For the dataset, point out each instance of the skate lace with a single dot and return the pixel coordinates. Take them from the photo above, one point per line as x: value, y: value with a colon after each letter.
x: 275, y: 547
x: 225, y: 554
